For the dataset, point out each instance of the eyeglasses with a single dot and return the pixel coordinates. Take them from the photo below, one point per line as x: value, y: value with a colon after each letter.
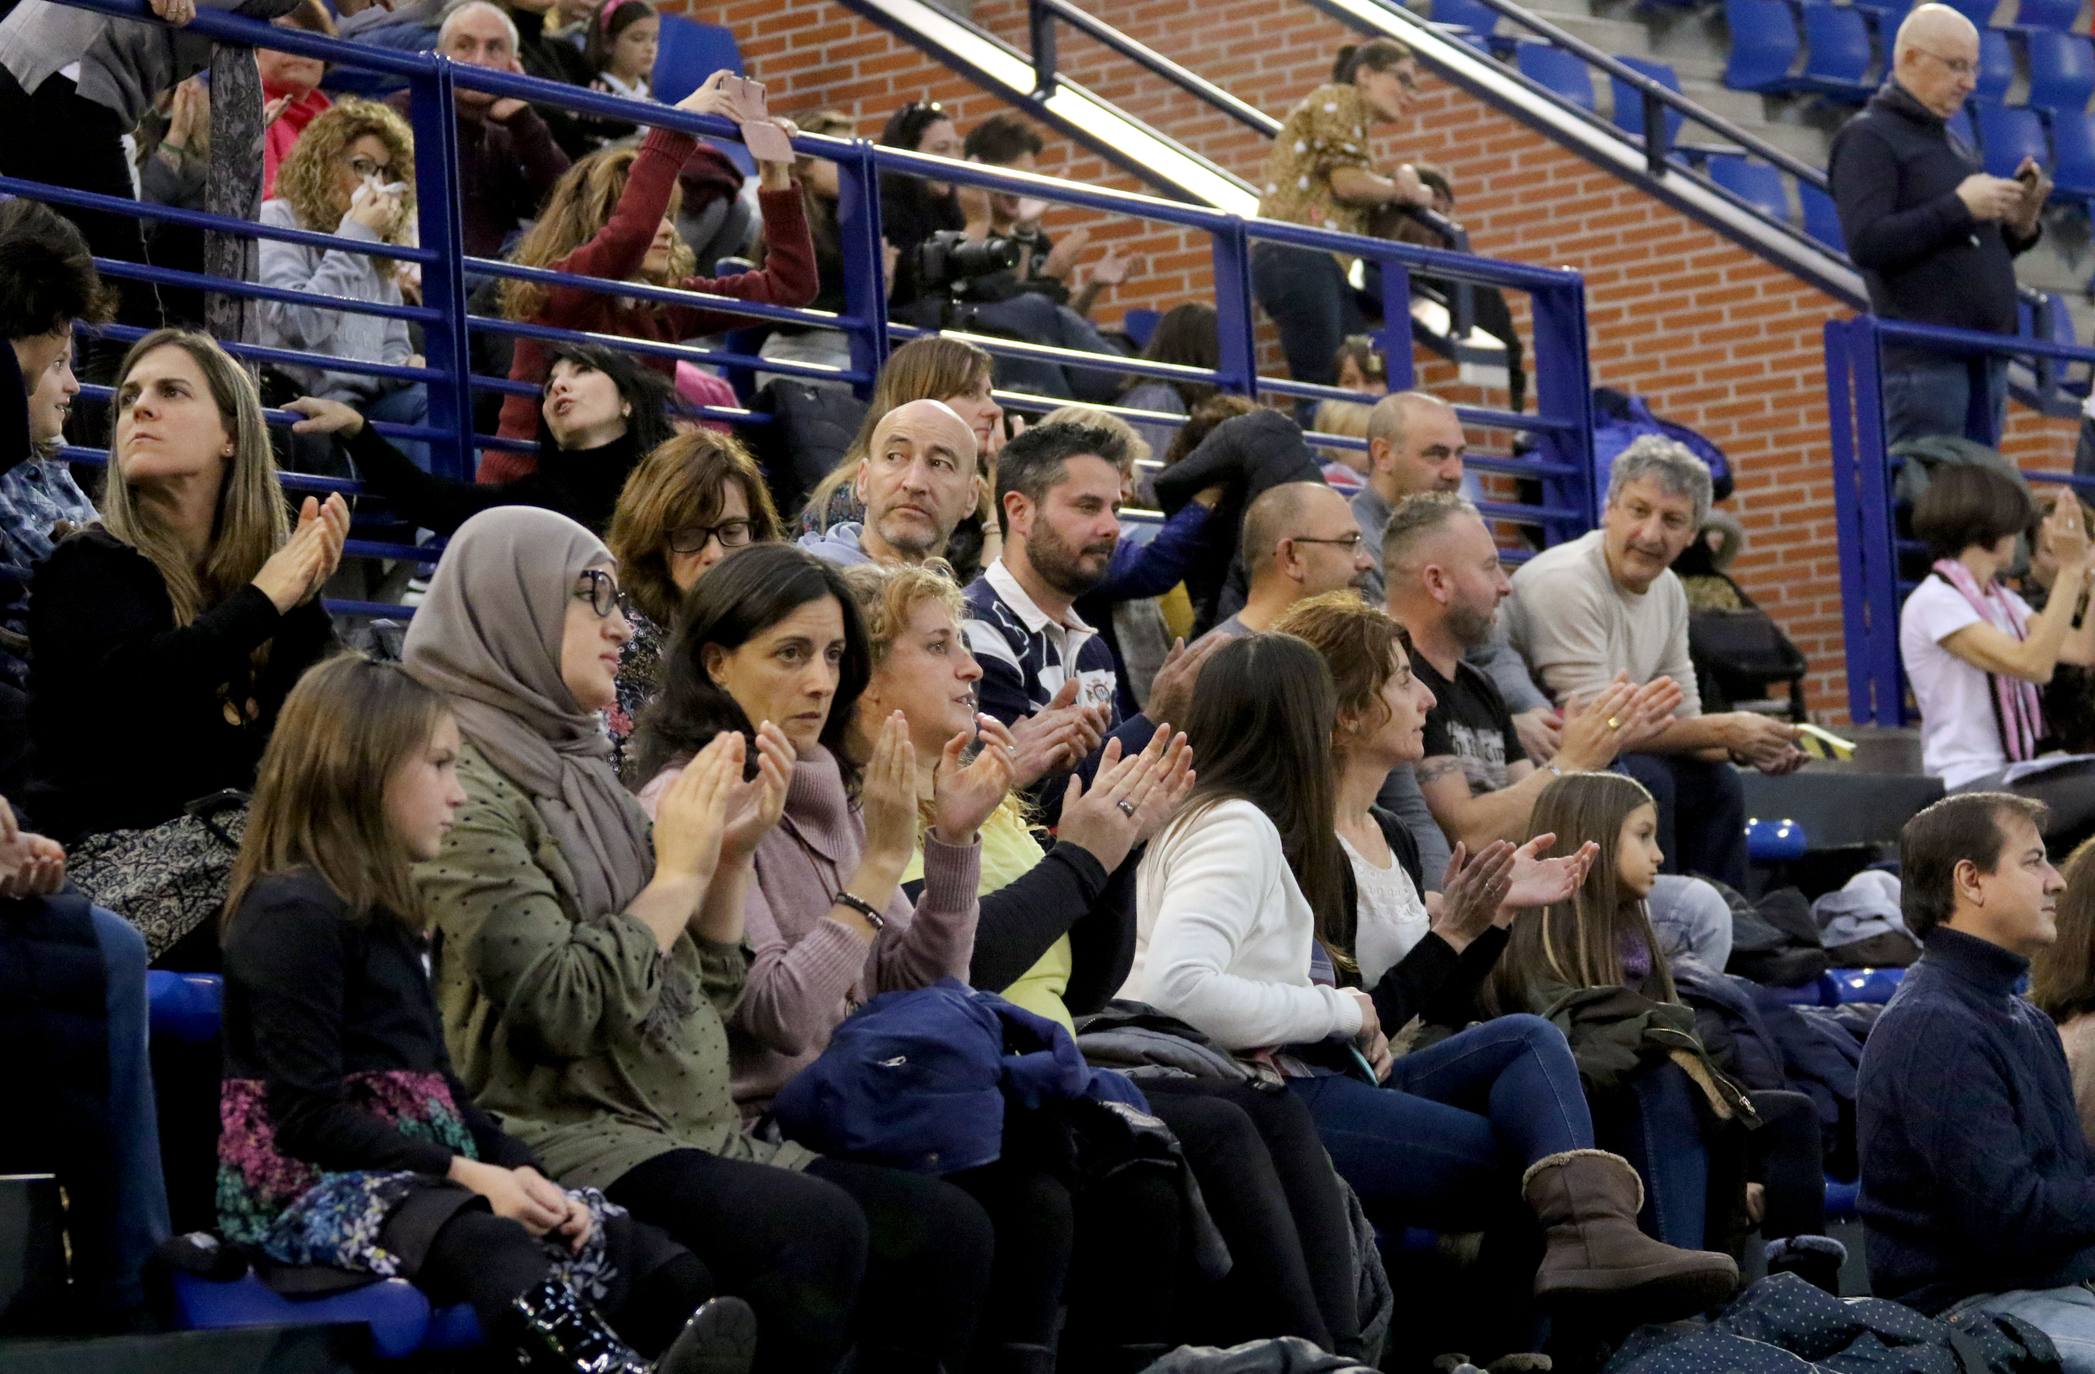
x: 603, y: 594
x: 365, y: 167
x: 1958, y: 66
x: 1346, y: 541
x: 732, y: 534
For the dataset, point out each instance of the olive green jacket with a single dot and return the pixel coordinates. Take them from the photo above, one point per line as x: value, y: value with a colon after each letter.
x: 591, y: 1045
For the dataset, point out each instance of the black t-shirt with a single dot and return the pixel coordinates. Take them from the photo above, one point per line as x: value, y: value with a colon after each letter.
x: 1469, y: 722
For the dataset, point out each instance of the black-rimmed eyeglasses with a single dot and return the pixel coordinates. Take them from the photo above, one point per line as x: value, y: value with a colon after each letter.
x: 600, y: 590
x: 732, y: 534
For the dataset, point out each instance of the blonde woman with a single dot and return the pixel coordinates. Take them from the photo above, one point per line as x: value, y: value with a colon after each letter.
x: 351, y: 174
x: 613, y: 215
x: 168, y: 637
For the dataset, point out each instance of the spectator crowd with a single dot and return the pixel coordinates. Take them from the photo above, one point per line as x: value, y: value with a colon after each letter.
x: 850, y: 901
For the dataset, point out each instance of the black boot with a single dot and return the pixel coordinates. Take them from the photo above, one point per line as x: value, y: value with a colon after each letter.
x: 720, y: 1338
x: 557, y: 1333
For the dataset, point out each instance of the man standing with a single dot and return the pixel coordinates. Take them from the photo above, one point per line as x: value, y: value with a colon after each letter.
x: 1934, y: 235
x: 916, y: 482
x: 1299, y: 541
x: 1416, y: 445
x: 1445, y: 585
x: 1609, y: 602
x: 1977, y: 1188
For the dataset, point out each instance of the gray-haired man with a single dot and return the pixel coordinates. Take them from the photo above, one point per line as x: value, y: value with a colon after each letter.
x: 1609, y: 602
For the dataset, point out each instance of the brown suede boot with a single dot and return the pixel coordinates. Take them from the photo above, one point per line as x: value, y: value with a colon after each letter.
x: 1587, y: 1201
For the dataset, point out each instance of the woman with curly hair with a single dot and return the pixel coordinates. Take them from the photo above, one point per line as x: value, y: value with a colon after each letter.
x: 613, y: 215
x: 351, y: 174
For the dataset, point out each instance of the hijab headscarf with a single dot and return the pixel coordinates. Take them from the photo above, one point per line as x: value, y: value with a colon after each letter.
x: 489, y: 638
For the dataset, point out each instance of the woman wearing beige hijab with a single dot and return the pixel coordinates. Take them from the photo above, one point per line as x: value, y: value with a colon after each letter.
x: 585, y: 965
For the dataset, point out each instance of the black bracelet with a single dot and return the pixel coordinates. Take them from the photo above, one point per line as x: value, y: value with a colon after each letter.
x: 863, y: 908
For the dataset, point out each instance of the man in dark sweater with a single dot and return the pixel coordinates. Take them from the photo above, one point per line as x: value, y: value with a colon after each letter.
x: 1976, y: 1190
x: 1934, y: 235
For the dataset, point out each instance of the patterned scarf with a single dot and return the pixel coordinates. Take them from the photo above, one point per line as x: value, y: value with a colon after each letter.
x: 2018, y: 712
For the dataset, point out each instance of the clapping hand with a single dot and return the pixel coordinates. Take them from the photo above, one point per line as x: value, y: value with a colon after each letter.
x: 1129, y: 798
x: 1114, y: 267
x: 1171, y: 690
x: 887, y: 796
x: 1056, y: 736
x: 1472, y: 891
x: 30, y: 865
x: 691, y: 818
x: 1537, y: 881
x: 754, y: 804
x: 2067, y: 530
x: 963, y: 794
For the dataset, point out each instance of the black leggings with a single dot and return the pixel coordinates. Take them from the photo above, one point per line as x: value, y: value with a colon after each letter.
x: 490, y: 1261
x: 1273, y: 1194
x: 1787, y: 1155
x: 842, y: 1254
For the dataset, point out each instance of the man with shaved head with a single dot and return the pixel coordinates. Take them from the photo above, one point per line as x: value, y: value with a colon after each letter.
x: 1935, y: 236
x: 916, y: 482
x: 1299, y: 541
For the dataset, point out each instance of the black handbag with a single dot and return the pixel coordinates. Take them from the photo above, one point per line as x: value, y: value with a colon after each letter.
x: 168, y: 880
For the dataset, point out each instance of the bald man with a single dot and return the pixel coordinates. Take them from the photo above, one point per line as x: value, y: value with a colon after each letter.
x: 916, y: 482
x: 1935, y: 236
x: 1299, y: 541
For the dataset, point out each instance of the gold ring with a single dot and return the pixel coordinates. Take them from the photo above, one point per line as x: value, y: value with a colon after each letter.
x: 1614, y: 724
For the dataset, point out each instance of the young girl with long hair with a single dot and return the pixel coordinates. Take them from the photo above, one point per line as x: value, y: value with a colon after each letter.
x: 590, y: 961
x: 621, y: 44
x: 197, y: 582
x: 348, y: 1141
x: 1246, y: 930
x: 613, y: 215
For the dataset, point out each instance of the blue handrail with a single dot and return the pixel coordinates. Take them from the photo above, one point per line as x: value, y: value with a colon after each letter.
x: 1863, y: 467
x: 1562, y: 424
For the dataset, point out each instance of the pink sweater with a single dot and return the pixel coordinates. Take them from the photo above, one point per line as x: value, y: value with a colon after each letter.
x: 806, y: 971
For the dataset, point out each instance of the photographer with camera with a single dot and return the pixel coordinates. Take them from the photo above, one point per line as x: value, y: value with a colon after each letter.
x: 954, y: 273
x: 1044, y: 265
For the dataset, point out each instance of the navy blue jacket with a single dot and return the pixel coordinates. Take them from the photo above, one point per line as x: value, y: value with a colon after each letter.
x: 1975, y: 1176
x: 1893, y: 172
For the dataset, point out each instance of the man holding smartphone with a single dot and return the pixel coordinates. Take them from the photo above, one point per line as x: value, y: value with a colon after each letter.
x: 1935, y: 236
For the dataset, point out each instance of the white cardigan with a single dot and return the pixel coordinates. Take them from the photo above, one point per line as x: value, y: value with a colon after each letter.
x: 1223, y: 936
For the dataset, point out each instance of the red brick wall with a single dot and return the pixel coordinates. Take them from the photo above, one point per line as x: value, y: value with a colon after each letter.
x: 1715, y: 337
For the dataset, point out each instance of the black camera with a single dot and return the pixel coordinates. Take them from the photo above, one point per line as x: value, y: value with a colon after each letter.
x: 951, y: 262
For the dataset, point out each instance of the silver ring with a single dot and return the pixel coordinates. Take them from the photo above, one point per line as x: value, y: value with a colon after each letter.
x: 1127, y: 808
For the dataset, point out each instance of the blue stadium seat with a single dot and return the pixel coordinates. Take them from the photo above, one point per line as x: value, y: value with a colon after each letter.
x: 1629, y: 103
x: 1836, y: 51
x: 1775, y: 841
x: 1842, y: 1196
x: 687, y: 53
x: 1821, y: 219
x: 2007, y: 135
x: 1996, y: 67
x: 2046, y: 14
x: 1886, y: 12
x: 2062, y: 72
x: 1979, y: 12
x: 187, y: 1008
x: 1138, y: 324
x: 1563, y: 72
x: 2073, y: 154
x: 1470, y: 14
x: 1763, y: 45
x: 1756, y: 183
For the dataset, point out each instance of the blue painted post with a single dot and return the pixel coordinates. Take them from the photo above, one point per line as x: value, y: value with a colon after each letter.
x: 1396, y: 325
x: 438, y: 197
x: 1234, y: 323
x: 1880, y: 567
x: 1562, y: 395
x: 865, y: 262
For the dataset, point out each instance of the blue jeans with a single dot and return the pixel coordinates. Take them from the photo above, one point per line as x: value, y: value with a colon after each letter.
x: 405, y: 405
x: 141, y: 1221
x: 1944, y: 393
x: 2067, y: 1315
x: 1662, y: 1138
x: 1690, y: 918
x: 1311, y: 301
x: 1702, y: 814
x: 1442, y: 1143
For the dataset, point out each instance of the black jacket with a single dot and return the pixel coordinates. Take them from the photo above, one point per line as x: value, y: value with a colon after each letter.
x: 1894, y: 173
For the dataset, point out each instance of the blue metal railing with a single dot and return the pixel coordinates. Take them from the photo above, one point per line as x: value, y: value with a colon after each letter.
x: 1864, y: 470
x: 1562, y: 425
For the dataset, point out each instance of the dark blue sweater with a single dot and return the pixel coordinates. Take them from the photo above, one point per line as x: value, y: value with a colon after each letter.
x: 1975, y: 1176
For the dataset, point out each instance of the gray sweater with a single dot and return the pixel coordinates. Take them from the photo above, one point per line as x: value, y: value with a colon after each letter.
x: 337, y: 333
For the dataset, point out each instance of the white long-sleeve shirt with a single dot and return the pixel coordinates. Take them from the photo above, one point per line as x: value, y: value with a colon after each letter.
x: 1223, y: 936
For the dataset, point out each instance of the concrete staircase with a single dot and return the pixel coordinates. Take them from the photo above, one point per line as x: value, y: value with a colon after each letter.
x: 1695, y: 43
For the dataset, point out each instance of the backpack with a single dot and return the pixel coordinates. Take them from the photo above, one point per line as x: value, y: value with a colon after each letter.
x: 1620, y: 419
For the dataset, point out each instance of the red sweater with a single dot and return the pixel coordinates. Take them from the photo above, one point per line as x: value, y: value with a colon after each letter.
x: 788, y: 278
x: 304, y: 108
